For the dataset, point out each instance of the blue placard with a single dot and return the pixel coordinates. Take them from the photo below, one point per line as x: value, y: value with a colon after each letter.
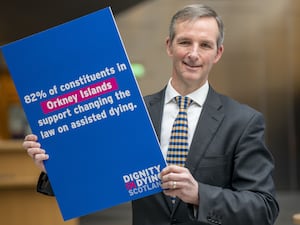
x: 81, y: 98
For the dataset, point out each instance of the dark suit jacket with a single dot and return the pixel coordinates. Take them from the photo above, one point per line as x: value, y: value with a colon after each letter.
x: 228, y: 158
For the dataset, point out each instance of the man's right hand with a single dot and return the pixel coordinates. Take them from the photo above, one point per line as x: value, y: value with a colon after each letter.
x: 34, y: 150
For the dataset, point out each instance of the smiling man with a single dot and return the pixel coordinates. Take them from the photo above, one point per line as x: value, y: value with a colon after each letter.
x: 219, y: 168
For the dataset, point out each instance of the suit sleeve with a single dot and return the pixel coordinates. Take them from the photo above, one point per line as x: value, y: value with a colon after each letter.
x: 43, y: 185
x: 250, y: 198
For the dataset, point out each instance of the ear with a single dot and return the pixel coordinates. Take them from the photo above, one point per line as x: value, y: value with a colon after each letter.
x: 168, y: 46
x: 219, y: 54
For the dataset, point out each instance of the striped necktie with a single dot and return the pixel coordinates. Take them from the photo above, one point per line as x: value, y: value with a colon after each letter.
x: 178, y: 145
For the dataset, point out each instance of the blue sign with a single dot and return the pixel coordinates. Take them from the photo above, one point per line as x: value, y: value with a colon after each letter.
x: 81, y: 98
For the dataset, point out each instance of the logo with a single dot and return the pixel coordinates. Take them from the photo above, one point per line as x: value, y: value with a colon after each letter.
x: 142, y: 181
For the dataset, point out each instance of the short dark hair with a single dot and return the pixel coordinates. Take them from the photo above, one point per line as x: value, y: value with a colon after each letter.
x: 195, y: 11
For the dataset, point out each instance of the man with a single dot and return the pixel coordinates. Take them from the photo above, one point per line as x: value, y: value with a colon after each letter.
x: 227, y: 177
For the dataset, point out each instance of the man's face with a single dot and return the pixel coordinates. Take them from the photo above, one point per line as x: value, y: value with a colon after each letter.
x: 194, y: 51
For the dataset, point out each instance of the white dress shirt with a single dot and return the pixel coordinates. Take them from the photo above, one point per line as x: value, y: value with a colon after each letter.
x: 171, y: 110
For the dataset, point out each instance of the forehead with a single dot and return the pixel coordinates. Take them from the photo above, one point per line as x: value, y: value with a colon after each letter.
x: 199, y: 27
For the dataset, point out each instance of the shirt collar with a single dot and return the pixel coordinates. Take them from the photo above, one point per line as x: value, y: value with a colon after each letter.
x: 198, y: 96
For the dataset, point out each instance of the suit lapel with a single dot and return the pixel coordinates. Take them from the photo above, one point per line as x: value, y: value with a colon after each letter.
x: 209, y: 121
x: 155, y: 105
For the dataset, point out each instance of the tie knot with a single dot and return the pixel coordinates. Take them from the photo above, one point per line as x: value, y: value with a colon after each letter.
x: 183, y: 102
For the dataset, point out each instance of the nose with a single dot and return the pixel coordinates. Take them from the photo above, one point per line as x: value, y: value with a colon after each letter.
x: 194, y: 53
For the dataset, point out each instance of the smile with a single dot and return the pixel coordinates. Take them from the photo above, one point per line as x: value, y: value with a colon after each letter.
x: 191, y: 65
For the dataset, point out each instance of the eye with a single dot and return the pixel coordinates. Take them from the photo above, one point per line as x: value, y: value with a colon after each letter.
x: 184, y: 42
x: 206, y: 45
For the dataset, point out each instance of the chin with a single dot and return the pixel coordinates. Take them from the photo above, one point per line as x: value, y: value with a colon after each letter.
x: 194, y: 80
x: 192, y: 77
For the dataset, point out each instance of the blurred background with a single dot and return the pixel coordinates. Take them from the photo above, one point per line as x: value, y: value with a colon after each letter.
x: 260, y: 67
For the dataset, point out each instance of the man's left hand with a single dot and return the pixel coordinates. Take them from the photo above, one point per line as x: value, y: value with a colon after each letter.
x: 178, y: 181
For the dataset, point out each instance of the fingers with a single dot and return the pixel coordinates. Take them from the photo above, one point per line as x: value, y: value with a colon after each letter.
x: 34, y: 151
x: 173, y: 173
x: 30, y: 141
x: 172, y: 177
x: 178, y: 181
x: 170, y: 185
x: 31, y: 144
x: 173, y: 169
x: 39, y: 156
x: 31, y: 137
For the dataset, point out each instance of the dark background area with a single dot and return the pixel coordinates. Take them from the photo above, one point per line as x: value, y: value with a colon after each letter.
x: 19, y: 18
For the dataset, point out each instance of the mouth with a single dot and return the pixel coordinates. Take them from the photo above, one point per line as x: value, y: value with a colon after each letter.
x: 192, y: 65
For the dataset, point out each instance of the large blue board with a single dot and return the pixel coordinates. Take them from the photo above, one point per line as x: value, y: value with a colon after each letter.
x: 81, y: 98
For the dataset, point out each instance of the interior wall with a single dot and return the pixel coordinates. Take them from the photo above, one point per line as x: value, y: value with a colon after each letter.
x: 259, y: 66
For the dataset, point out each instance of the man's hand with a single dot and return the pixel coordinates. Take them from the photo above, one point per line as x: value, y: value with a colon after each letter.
x: 178, y: 181
x: 34, y: 151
